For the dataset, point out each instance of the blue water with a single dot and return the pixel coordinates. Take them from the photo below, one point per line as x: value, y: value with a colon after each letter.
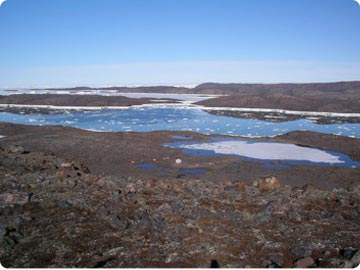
x: 178, y: 119
x: 147, y: 166
x: 192, y: 171
x: 179, y: 137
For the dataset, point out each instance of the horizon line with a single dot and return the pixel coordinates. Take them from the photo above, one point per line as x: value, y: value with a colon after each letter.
x: 175, y: 85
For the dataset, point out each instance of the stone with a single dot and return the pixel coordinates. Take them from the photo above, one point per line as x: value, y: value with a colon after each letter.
x: 3, y: 230
x: 355, y: 189
x: 63, y: 204
x: 16, y: 149
x: 21, y: 219
x: 304, y: 262
x: 276, y: 207
x: 269, y: 183
x: 347, y: 264
x: 66, y: 165
x: 293, y: 215
x: 277, y: 259
x: 300, y: 251
x: 356, y: 258
x: 227, y: 183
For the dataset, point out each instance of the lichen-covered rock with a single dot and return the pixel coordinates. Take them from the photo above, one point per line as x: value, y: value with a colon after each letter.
x: 269, y: 184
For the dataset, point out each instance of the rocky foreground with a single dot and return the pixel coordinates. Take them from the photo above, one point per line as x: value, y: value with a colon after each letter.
x: 55, y: 213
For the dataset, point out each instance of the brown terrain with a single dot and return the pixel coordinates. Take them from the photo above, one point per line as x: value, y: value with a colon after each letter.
x: 74, y: 198
x: 280, y: 101
x: 74, y: 100
x: 327, y: 97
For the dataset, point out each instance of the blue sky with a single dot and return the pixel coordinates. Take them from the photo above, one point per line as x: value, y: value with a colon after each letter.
x: 146, y: 42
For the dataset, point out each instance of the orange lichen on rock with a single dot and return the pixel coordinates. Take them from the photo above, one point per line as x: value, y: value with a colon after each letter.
x: 269, y: 183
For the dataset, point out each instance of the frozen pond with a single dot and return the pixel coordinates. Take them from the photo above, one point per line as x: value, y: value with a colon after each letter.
x: 145, y: 119
x: 266, y: 151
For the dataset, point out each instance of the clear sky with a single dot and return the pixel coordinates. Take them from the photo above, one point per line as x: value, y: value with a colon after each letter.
x: 147, y: 42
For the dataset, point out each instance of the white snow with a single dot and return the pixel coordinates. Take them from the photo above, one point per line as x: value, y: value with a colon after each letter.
x: 265, y: 150
x: 184, y: 105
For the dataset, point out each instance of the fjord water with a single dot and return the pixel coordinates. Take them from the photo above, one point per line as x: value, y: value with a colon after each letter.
x: 145, y: 119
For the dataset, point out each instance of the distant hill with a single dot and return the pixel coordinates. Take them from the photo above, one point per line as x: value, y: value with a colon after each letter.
x: 292, y: 89
x: 332, y: 97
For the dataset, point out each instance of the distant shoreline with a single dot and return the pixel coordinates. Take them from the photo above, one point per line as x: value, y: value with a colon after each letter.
x: 262, y: 110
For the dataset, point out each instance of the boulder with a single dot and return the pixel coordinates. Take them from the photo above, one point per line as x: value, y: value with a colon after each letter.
x: 304, y: 262
x: 276, y: 259
x: 269, y: 184
x: 356, y: 258
x: 16, y: 149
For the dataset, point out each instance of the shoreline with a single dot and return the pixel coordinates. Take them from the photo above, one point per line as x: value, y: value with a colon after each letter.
x: 184, y: 106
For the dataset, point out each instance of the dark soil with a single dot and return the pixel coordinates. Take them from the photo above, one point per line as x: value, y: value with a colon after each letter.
x: 54, y: 213
x: 118, y: 154
x: 74, y: 198
x: 286, y: 102
x: 74, y: 100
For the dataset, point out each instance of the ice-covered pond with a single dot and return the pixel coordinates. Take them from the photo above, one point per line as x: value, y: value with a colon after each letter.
x: 270, y: 153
